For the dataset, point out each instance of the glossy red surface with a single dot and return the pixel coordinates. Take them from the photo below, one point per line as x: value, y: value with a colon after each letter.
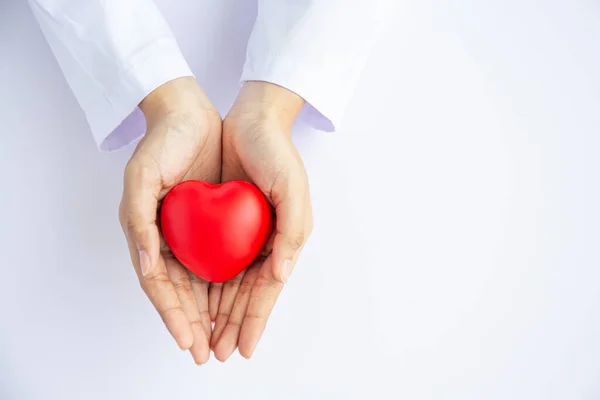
x: 216, y: 230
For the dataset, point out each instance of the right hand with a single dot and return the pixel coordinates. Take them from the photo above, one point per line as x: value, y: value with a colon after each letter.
x: 258, y: 147
x: 182, y: 142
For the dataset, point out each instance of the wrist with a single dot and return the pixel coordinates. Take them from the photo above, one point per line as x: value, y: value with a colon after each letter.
x: 176, y: 96
x: 267, y: 102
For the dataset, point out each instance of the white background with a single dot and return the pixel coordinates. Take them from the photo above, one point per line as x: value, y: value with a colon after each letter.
x: 456, y: 247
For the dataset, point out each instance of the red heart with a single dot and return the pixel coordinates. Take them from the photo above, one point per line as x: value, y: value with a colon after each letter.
x: 216, y: 230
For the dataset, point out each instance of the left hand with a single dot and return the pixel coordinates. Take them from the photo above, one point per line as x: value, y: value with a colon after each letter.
x: 257, y: 147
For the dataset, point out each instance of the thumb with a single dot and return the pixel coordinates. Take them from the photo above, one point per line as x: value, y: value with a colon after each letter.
x: 290, y: 209
x: 138, y: 211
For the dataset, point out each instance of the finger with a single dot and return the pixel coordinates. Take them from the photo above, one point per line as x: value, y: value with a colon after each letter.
x: 214, y: 298
x: 228, y: 340
x: 291, y: 214
x: 142, y: 184
x: 183, y: 287
x: 265, y: 292
x: 200, y: 288
x: 258, y: 315
x: 230, y: 289
x: 158, y: 287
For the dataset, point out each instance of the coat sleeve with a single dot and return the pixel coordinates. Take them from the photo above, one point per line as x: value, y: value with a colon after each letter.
x: 315, y: 48
x: 112, y: 53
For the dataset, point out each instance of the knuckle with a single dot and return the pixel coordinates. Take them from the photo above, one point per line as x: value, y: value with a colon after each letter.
x: 233, y: 284
x: 295, y: 240
x: 259, y: 318
x: 132, y: 226
x: 197, y: 322
x: 261, y: 283
x: 164, y: 313
x: 233, y: 322
x: 155, y: 282
x: 245, y: 288
x: 182, y: 285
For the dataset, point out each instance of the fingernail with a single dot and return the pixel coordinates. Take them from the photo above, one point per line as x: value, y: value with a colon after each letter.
x: 286, y: 270
x: 144, y: 262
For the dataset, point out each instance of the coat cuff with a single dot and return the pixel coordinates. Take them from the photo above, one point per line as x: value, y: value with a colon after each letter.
x: 114, y: 118
x: 323, y: 111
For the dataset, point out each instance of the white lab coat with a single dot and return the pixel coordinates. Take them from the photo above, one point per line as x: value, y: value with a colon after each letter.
x: 113, y: 53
